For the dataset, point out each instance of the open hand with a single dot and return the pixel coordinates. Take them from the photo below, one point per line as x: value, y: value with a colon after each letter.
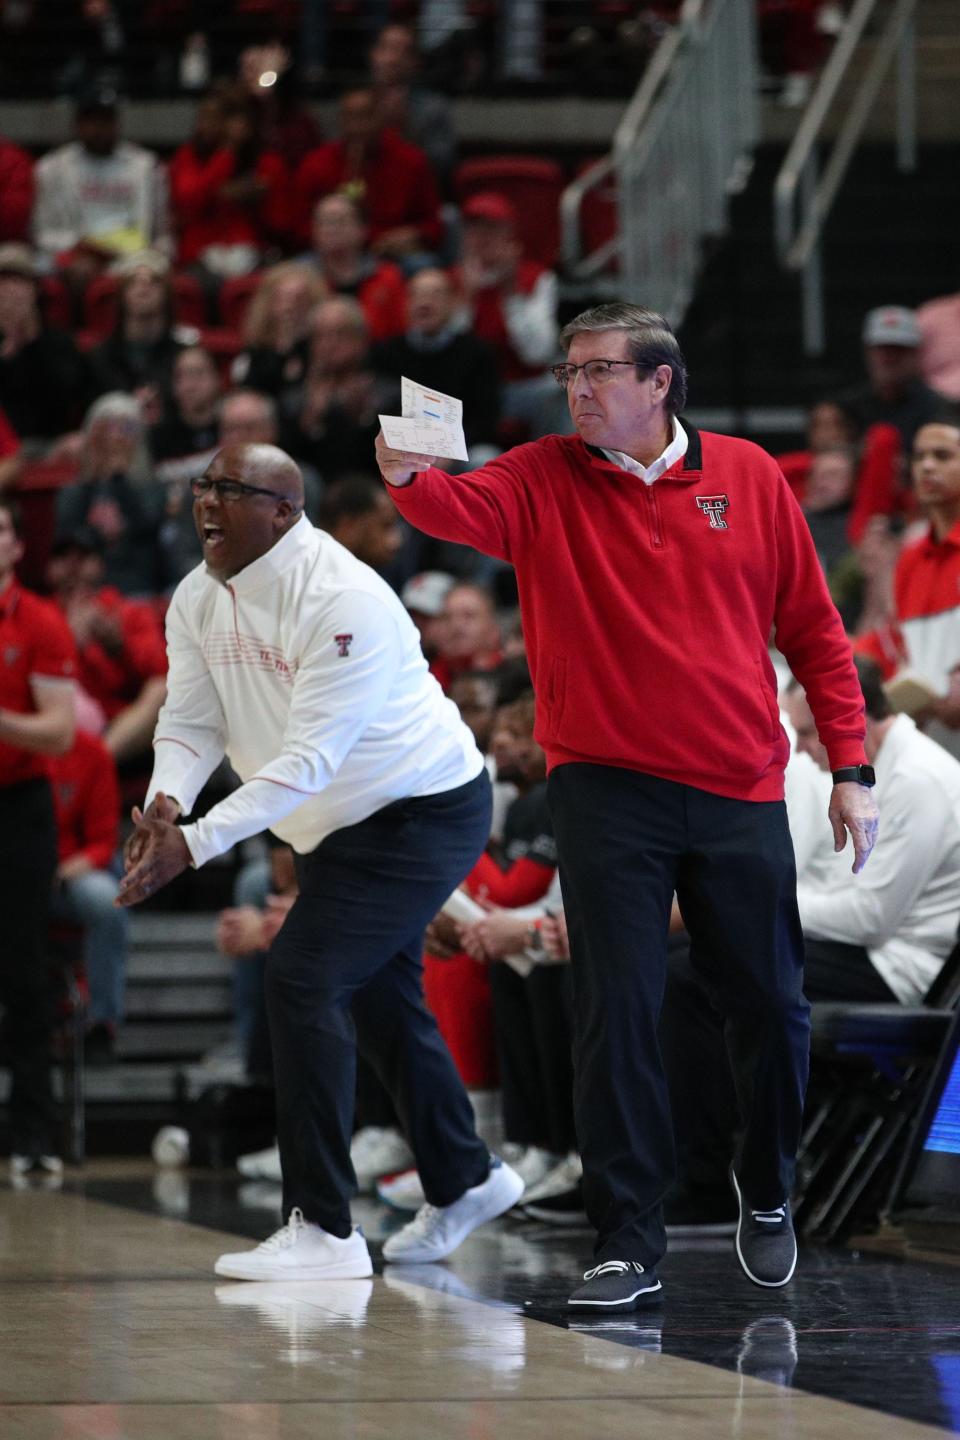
x: 853, y: 808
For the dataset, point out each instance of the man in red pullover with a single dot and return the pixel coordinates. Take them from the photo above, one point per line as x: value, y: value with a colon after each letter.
x: 653, y: 562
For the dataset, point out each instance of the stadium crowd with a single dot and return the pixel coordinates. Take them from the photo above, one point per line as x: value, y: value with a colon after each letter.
x: 268, y: 284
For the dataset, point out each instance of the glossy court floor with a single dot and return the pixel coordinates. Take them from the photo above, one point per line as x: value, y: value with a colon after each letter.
x: 112, y: 1327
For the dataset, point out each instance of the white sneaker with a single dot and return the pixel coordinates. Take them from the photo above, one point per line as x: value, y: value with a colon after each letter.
x: 261, y: 1164
x: 36, y: 1171
x: 301, y: 1251
x: 535, y: 1165
x: 402, y: 1192
x: 438, y: 1230
x: 376, y: 1151
x: 561, y: 1178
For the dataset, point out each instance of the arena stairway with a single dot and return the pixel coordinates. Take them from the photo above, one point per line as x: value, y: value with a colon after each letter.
x: 177, y: 1038
x: 890, y: 239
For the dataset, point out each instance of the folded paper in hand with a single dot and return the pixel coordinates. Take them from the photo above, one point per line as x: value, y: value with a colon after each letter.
x: 432, y: 424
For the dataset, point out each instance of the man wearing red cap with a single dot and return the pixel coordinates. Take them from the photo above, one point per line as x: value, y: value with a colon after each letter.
x: 513, y: 306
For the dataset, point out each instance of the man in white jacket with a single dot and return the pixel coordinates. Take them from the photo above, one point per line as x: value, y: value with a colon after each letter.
x: 886, y: 938
x: 301, y: 665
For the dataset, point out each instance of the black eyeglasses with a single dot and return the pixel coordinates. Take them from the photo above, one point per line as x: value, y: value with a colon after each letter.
x: 229, y: 490
x: 598, y: 372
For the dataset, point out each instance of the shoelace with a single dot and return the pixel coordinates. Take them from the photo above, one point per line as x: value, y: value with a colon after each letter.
x: 613, y: 1267
x: 288, y: 1234
x: 424, y: 1220
x: 770, y: 1217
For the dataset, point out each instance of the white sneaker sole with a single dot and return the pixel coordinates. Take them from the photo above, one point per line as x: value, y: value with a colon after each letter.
x: 503, y: 1196
x: 237, y: 1269
x: 617, y: 1304
x: 766, y: 1284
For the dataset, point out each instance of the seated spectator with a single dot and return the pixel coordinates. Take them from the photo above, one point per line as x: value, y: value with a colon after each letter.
x: 354, y: 513
x: 138, y: 354
x: 122, y: 656
x: 424, y: 596
x: 924, y: 645
x: 827, y: 501
x: 332, y: 417
x: 116, y: 496
x: 11, y: 455
x: 99, y: 196
x: 340, y: 257
x: 468, y: 637
x: 939, y: 323
x: 531, y: 1004
x: 387, y: 175
x: 16, y: 192
x: 185, y: 441
x: 886, y: 937
x: 474, y: 692
x: 230, y: 195
x: 512, y: 305
x: 437, y: 352
x: 421, y: 116
x: 44, y: 380
x: 276, y: 330
x: 879, y: 487
x: 87, y: 806
x: 894, y: 393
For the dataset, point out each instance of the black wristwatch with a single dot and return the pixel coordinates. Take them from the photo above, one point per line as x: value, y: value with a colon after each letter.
x: 862, y: 774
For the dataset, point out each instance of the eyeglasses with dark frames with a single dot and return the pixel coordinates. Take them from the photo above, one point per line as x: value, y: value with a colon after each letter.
x: 229, y: 490
x: 598, y: 372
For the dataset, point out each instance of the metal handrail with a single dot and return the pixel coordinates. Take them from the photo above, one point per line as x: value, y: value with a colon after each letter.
x: 798, y: 188
x: 624, y: 138
x: 677, y: 154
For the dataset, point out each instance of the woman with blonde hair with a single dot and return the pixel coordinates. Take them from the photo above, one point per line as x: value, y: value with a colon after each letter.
x: 277, y: 328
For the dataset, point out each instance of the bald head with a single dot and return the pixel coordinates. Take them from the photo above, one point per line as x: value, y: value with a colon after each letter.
x: 255, y: 496
x: 266, y: 466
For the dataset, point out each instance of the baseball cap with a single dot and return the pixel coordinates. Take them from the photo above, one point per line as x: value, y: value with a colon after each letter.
x: 427, y: 591
x: 891, y: 325
x: 96, y: 99
x: 491, y: 206
x: 18, y: 260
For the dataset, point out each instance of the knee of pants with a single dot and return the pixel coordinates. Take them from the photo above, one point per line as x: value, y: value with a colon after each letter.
x: 93, y: 895
x: 302, y: 1001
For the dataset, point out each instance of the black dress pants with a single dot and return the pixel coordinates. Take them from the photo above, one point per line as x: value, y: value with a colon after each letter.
x: 627, y: 841
x: 28, y: 862
x: 532, y: 1031
x: 345, y: 972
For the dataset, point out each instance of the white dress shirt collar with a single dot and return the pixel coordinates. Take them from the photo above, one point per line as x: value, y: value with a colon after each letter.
x: 648, y: 473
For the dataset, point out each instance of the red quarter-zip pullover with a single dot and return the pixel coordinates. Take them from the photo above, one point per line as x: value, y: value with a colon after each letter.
x: 647, y: 610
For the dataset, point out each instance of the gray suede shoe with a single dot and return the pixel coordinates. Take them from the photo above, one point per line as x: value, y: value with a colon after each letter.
x: 617, y: 1285
x: 766, y: 1243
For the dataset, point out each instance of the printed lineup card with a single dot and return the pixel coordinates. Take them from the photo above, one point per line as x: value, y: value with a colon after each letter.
x: 432, y: 424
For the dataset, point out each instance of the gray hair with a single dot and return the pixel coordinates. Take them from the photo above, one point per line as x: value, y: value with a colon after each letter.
x: 651, y: 342
x: 118, y: 405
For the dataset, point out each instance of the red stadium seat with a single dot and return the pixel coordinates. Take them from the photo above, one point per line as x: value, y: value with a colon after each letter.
x: 235, y: 296
x: 532, y: 185
x: 598, y: 213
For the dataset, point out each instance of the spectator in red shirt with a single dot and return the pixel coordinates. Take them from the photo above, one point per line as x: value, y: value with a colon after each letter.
x: 16, y: 191
x: 340, y: 256
x: 512, y: 304
x: 10, y: 456
x: 37, y: 665
x: 87, y: 806
x: 122, y: 653
x: 390, y: 177
x: 230, y: 195
x: 468, y: 637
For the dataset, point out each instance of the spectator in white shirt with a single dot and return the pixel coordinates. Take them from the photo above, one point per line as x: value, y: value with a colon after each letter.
x: 886, y: 938
x: 299, y: 663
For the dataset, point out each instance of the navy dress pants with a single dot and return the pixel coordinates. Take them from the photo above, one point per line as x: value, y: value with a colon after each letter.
x: 345, y: 972
x: 627, y: 841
